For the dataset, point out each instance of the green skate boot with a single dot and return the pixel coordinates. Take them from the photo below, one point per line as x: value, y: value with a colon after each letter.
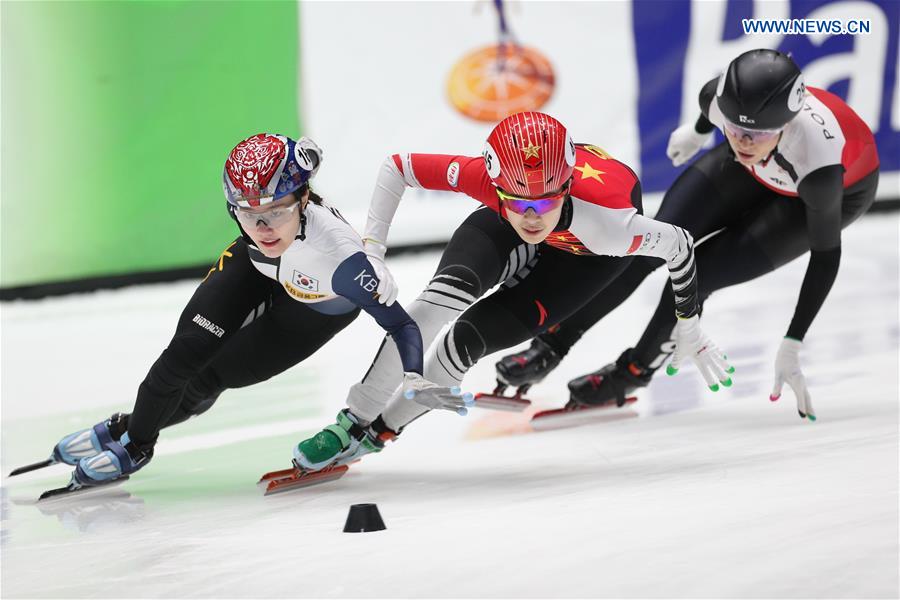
x: 341, y: 443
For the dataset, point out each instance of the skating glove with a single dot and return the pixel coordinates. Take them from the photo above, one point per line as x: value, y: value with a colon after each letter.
x: 690, y: 341
x: 684, y: 143
x: 307, y: 147
x: 387, y: 287
x: 432, y: 395
x: 787, y: 369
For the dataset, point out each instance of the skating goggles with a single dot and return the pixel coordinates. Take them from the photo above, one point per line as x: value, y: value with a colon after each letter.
x: 757, y: 136
x: 540, y: 206
x: 272, y: 217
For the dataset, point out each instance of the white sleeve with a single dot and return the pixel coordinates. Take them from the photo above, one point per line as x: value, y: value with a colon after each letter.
x: 674, y: 245
x: 389, y: 188
x: 625, y: 232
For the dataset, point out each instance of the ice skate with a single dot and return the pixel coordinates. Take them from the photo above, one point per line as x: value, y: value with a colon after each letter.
x: 341, y: 443
x: 327, y: 455
x: 521, y: 370
x: 573, y: 415
x: 294, y: 478
x: 82, y: 444
x: 613, y: 383
x: 121, y: 457
x: 116, y: 463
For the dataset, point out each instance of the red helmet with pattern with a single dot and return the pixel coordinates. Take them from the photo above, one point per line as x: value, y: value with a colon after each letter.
x: 529, y: 154
x: 264, y: 168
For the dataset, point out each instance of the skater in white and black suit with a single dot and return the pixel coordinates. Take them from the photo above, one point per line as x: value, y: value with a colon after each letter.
x: 296, y: 276
x: 798, y: 166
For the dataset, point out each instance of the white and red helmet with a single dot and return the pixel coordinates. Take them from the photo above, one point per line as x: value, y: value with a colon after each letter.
x: 529, y: 154
x: 263, y: 168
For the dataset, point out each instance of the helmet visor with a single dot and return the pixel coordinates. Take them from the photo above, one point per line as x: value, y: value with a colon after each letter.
x: 756, y: 136
x: 272, y: 217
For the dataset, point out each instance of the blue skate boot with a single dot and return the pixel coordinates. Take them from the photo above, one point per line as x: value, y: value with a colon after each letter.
x: 342, y: 443
x: 90, y: 442
x: 82, y: 444
x: 121, y: 457
x: 113, y: 465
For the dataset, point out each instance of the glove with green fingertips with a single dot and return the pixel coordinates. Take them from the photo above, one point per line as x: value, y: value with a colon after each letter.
x: 691, y: 342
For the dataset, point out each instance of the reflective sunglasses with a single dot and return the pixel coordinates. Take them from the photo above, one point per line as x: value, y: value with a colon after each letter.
x: 272, y: 218
x: 540, y: 206
x: 757, y: 136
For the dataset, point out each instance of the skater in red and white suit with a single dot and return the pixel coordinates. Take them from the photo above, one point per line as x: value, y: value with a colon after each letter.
x: 559, y: 222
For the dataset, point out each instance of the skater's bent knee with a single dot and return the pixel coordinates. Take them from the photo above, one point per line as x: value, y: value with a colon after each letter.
x: 459, y: 277
x: 468, y: 343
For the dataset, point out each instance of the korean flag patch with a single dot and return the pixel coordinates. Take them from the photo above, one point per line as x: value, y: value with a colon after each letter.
x: 305, y: 282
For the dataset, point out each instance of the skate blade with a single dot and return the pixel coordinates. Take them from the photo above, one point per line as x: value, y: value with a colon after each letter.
x: 70, y: 492
x: 501, y: 402
x: 32, y: 467
x: 562, y: 418
x: 272, y: 475
x: 286, y: 473
x: 298, y: 479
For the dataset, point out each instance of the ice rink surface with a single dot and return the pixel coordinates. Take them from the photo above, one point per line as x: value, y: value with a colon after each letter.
x: 699, y: 495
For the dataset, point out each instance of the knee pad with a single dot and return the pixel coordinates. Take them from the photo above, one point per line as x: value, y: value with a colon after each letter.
x: 454, y: 286
x: 466, y: 343
x: 460, y: 348
x: 483, y: 329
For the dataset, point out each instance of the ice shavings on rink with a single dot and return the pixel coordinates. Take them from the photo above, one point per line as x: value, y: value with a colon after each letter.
x: 702, y: 495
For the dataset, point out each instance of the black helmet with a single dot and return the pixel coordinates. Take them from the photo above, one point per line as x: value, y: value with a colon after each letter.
x: 761, y: 89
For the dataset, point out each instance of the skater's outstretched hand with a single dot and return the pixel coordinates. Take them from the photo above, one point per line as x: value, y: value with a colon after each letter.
x: 387, y: 287
x: 432, y: 395
x: 787, y: 369
x: 684, y: 143
x: 690, y: 341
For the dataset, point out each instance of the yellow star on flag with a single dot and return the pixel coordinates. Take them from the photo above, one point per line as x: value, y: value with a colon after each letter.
x: 531, y: 151
x: 589, y: 172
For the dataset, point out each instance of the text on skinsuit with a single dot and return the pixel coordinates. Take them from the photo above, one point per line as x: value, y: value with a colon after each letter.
x: 208, y: 325
x: 301, y: 295
x: 367, y: 281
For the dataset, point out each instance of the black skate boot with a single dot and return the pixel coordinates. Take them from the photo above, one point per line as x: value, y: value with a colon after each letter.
x: 612, y: 383
x: 521, y: 370
x: 529, y: 366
